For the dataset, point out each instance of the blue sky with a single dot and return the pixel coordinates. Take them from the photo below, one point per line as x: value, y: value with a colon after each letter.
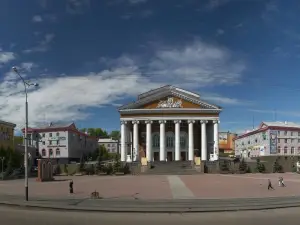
x: 91, y: 56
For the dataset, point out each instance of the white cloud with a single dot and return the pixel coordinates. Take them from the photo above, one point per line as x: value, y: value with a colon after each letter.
x: 6, y: 57
x: 65, y: 97
x: 198, y: 64
x: 23, y: 68
x: 37, y: 19
x: 43, y: 45
x: 137, y: 1
x: 222, y: 100
x: 220, y: 32
x: 213, y: 4
x: 77, y: 6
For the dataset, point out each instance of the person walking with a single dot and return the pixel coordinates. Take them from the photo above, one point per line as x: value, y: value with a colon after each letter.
x: 270, y: 185
x: 280, y: 181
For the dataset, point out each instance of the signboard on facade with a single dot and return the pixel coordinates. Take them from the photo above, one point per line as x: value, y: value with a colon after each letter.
x: 223, y: 138
x: 56, y: 138
x: 273, y: 142
x: 51, y: 146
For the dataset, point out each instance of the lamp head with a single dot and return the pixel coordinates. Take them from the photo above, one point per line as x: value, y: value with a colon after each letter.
x: 15, y: 69
x: 35, y: 84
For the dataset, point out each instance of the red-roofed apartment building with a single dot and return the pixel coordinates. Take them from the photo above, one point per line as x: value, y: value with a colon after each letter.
x: 62, y: 142
x: 270, y: 138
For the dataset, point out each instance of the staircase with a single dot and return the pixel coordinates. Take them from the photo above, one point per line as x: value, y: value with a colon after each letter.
x: 171, y: 168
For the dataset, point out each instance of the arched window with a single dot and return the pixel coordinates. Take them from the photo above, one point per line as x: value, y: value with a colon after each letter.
x: 292, y: 150
x: 50, y: 152
x: 57, y: 153
x: 43, y: 152
x: 183, y: 137
x: 155, y: 140
x: 285, y: 149
x: 278, y: 149
x: 170, y: 139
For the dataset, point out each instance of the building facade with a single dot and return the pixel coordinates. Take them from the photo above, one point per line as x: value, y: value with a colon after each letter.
x: 63, y: 143
x: 7, y: 135
x: 226, y: 143
x: 169, y: 123
x: 110, y: 144
x: 270, y: 138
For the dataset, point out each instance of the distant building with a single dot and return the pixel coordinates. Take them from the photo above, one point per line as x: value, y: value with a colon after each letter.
x: 270, y: 138
x: 110, y: 144
x: 61, y: 142
x: 226, y: 143
x: 7, y: 135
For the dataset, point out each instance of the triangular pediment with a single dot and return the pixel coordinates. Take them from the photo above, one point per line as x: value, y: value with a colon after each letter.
x: 169, y: 97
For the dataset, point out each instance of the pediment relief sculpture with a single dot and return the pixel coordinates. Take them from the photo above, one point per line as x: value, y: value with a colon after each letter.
x: 169, y: 103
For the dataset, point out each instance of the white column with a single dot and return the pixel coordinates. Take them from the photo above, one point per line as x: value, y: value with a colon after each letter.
x: 203, y: 140
x: 177, y: 140
x: 216, y: 139
x: 135, y: 140
x: 191, y: 139
x: 162, y: 140
x: 123, y: 141
x: 149, y: 154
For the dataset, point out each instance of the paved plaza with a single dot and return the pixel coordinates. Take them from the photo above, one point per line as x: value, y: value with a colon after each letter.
x: 161, y: 187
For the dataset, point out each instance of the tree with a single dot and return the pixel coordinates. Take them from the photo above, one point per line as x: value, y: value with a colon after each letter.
x: 260, y: 167
x: 115, y: 134
x: 277, y: 168
x: 243, y: 167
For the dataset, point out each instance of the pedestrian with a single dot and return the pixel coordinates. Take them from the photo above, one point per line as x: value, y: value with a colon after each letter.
x: 280, y: 182
x: 270, y: 185
x: 71, y: 187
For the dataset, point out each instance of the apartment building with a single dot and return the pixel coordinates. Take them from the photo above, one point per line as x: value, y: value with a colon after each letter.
x: 110, y: 144
x: 7, y: 135
x: 61, y: 142
x: 270, y: 138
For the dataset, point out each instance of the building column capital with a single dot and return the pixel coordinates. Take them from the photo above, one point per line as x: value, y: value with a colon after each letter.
x: 177, y: 121
x: 216, y: 121
x: 162, y: 121
x: 123, y: 122
x: 191, y: 121
x: 148, y: 122
x: 203, y: 121
x: 135, y: 122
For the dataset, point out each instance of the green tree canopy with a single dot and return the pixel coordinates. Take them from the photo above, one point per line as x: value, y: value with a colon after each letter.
x: 115, y: 134
x: 96, y: 132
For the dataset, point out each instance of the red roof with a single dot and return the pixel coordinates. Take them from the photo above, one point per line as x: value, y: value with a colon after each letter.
x: 261, y: 129
x: 55, y: 128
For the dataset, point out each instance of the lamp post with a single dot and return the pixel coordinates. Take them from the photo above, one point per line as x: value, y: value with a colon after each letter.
x: 26, y: 85
x: 2, y: 165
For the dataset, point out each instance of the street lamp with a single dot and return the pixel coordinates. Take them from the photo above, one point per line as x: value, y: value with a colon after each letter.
x: 26, y: 85
x: 2, y: 165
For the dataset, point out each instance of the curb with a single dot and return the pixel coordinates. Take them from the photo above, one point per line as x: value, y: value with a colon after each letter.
x: 152, y: 209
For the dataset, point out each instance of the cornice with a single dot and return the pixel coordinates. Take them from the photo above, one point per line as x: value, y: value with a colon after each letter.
x: 168, y: 110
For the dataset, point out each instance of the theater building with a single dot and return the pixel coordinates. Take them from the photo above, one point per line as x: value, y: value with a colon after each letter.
x: 171, y: 124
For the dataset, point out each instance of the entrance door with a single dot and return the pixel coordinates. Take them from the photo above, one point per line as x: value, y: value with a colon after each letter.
x: 170, y: 156
x: 183, y: 156
x: 156, y: 156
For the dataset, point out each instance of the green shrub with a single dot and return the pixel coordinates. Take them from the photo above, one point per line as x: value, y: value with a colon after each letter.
x: 277, y: 168
x: 243, y: 167
x: 260, y: 167
x: 65, y: 168
x: 224, y: 166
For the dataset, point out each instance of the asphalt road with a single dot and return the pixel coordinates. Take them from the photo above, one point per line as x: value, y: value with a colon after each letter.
x: 14, y: 216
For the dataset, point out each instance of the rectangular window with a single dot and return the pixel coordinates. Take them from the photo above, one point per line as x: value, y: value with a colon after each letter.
x: 50, y: 142
x: 285, y: 140
x: 57, y: 134
x: 278, y: 140
x: 44, y: 143
x: 298, y: 140
x: 57, y: 142
x: 43, y: 135
x: 50, y: 134
x: 292, y: 133
x: 292, y: 140
x: 285, y: 133
x: 298, y: 133
x: 278, y: 132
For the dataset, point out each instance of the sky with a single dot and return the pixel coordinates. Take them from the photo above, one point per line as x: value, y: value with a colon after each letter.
x: 89, y: 57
